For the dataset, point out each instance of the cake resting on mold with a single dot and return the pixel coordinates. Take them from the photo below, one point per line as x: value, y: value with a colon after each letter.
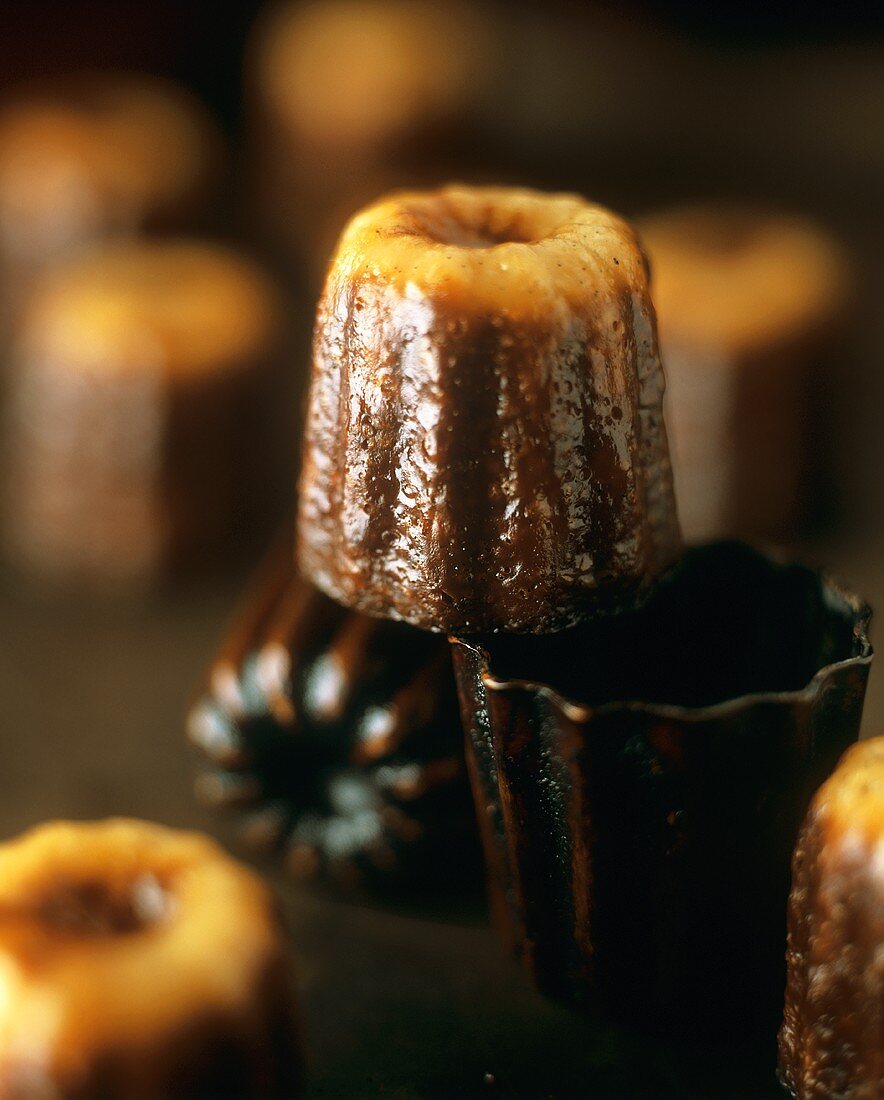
x: 485, y: 447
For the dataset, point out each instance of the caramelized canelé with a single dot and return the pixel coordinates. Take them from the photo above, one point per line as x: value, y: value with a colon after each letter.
x: 832, y: 1036
x: 749, y: 303
x: 97, y: 156
x: 137, y: 963
x: 485, y: 447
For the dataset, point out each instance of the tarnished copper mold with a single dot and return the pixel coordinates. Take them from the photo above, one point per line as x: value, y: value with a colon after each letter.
x: 336, y: 738
x: 640, y: 783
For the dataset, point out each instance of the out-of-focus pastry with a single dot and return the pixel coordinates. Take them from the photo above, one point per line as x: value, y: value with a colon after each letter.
x: 97, y: 156
x: 354, y: 97
x: 748, y: 304
x: 337, y: 740
x: 832, y: 1036
x: 640, y: 781
x: 141, y: 413
x: 138, y: 962
x: 485, y: 447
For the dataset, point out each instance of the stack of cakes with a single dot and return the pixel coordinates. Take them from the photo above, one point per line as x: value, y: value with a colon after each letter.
x: 485, y: 455
x: 451, y: 347
x: 485, y: 458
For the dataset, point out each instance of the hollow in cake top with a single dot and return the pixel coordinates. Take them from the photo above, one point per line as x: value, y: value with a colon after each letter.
x: 130, y: 954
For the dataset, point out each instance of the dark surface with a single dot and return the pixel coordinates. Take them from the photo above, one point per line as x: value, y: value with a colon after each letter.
x: 400, y: 1004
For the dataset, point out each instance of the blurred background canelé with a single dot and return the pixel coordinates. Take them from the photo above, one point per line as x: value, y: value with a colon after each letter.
x: 749, y: 305
x: 352, y: 98
x: 98, y: 155
x: 141, y: 413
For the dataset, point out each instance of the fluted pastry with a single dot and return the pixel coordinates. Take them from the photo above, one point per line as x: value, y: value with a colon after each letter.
x: 138, y: 963
x: 353, y: 97
x: 485, y: 447
x: 97, y: 156
x: 336, y: 739
x: 832, y: 1037
x: 140, y: 438
x: 748, y: 303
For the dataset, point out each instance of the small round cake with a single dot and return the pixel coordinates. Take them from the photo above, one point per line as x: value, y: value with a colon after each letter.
x: 485, y: 447
x: 139, y: 433
x: 831, y: 1038
x: 137, y: 962
x: 98, y: 156
x: 354, y: 97
x: 747, y: 302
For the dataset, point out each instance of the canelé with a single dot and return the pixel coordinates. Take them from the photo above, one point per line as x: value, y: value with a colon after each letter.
x: 749, y: 303
x: 832, y: 1036
x: 350, y: 98
x: 97, y: 156
x: 335, y: 739
x: 138, y: 962
x: 140, y: 436
x: 485, y: 447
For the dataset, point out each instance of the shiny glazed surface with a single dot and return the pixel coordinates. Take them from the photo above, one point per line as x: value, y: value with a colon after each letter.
x: 485, y: 447
x: 638, y: 819
x: 832, y: 1038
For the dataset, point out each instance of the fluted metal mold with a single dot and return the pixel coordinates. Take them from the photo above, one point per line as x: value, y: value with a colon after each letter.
x: 638, y: 842
x: 336, y: 740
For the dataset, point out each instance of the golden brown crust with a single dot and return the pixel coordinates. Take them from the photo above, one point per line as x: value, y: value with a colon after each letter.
x: 832, y: 1036
x: 485, y: 447
x: 136, y: 961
